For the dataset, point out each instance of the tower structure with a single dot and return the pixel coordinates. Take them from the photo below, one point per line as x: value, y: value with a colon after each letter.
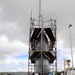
x: 42, y: 46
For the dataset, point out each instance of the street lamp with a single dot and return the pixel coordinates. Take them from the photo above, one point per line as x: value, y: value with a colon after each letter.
x: 71, y: 46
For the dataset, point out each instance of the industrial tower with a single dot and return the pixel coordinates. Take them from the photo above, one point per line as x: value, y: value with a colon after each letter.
x: 42, y: 46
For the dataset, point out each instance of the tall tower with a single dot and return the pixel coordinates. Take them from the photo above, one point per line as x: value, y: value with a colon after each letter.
x: 42, y: 46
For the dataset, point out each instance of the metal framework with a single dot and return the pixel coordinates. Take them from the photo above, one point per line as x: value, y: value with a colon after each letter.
x: 42, y: 47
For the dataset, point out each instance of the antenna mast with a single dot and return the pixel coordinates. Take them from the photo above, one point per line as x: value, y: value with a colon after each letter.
x: 39, y: 11
x: 41, y: 37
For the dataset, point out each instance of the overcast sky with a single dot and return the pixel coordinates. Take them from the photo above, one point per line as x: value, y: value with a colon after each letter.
x: 14, y: 30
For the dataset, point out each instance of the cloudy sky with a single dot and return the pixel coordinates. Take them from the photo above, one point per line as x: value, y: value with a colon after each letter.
x: 14, y: 30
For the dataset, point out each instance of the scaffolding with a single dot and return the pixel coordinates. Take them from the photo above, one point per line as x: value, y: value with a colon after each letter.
x: 49, y: 52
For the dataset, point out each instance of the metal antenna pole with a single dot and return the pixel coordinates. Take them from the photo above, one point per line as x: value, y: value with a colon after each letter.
x: 42, y: 48
x: 39, y: 12
x: 39, y: 8
x: 41, y: 37
x: 31, y: 14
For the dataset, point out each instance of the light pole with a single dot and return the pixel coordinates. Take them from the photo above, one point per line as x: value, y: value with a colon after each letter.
x: 71, y: 47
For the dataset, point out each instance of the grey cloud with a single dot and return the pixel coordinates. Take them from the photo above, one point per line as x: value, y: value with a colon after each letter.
x: 15, y: 12
x: 19, y: 11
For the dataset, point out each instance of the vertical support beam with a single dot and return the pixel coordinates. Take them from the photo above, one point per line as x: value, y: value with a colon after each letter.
x: 42, y: 47
x: 56, y: 45
x: 41, y: 37
x: 41, y: 51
